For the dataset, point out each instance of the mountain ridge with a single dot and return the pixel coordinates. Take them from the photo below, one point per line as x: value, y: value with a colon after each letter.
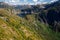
x: 36, y: 26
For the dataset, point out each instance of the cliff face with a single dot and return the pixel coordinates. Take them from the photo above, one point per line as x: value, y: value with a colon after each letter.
x: 51, y: 15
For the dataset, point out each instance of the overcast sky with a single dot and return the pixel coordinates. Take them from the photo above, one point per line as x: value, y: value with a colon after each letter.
x: 32, y: 2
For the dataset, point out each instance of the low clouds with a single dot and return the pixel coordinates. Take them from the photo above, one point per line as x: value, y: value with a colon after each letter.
x: 12, y: 0
x: 53, y: 0
x: 35, y: 0
x: 26, y: 1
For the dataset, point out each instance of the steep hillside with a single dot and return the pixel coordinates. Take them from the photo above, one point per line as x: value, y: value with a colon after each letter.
x: 51, y: 15
x: 13, y: 27
x: 38, y: 24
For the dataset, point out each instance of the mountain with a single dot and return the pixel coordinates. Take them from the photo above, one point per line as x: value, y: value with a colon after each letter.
x: 53, y: 4
x: 14, y: 27
x: 51, y: 15
x: 4, y: 5
x: 30, y: 27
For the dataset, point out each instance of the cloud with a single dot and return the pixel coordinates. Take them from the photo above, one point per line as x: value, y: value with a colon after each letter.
x: 53, y: 0
x: 35, y: 0
x: 26, y: 1
x: 12, y: 1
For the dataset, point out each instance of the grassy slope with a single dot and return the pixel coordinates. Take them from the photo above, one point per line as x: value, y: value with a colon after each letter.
x: 13, y: 27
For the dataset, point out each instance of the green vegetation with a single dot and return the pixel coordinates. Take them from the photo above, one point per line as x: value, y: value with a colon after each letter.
x: 13, y: 27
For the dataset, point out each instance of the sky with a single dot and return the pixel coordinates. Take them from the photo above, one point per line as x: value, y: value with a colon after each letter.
x: 29, y: 2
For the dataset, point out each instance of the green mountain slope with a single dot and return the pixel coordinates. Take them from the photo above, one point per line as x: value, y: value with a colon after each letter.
x: 13, y: 27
